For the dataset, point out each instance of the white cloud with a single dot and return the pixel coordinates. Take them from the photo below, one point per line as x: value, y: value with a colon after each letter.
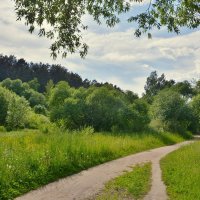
x: 115, y: 55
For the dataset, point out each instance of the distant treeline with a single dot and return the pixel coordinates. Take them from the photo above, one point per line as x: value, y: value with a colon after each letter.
x: 13, y: 68
x: 41, y: 96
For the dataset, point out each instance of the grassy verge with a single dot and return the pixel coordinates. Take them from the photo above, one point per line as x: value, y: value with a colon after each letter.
x: 181, y: 173
x: 131, y: 185
x: 30, y: 159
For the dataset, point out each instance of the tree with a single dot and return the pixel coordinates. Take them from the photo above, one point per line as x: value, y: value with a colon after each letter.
x: 195, y: 103
x: 154, y: 84
x: 17, y: 113
x: 66, y: 25
x: 184, y: 88
x: 131, y: 96
x: 134, y: 117
x: 103, y: 105
x: 5, y: 95
x: 34, y: 84
x: 172, y: 110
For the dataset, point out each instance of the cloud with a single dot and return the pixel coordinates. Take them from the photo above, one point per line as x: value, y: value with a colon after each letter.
x: 115, y: 55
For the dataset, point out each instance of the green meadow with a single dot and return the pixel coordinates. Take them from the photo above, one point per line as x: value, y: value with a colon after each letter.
x: 181, y: 173
x: 30, y: 159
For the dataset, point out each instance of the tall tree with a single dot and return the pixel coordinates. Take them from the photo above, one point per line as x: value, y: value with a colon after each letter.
x: 154, y: 84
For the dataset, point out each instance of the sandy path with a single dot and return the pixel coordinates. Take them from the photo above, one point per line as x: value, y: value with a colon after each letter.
x: 89, y: 182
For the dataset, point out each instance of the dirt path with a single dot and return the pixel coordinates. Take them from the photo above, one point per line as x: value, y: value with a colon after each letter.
x: 89, y: 182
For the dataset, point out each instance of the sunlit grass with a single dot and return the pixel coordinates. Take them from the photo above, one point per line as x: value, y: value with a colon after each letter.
x: 181, y: 173
x: 30, y: 159
x: 130, y: 185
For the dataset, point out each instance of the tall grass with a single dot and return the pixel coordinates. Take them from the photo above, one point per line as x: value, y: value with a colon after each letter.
x: 30, y: 159
x: 181, y: 173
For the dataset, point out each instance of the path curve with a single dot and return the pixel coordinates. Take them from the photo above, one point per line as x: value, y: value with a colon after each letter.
x: 89, y: 182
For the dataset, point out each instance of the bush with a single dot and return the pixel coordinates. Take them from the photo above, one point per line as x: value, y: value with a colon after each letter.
x: 41, y: 122
x: 134, y: 117
x: 3, y: 105
x: 36, y: 98
x: 172, y: 110
x: 17, y: 113
x: 40, y: 109
x: 195, y: 104
x: 2, y: 129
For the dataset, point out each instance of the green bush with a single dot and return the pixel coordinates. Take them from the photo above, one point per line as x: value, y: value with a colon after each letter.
x: 134, y: 117
x: 17, y: 113
x: 195, y: 104
x: 172, y: 110
x: 4, y: 99
x: 2, y: 129
x: 36, y: 98
x: 40, y: 109
x: 41, y: 122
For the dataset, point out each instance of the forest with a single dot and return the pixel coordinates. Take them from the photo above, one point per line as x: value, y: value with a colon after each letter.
x: 33, y: 95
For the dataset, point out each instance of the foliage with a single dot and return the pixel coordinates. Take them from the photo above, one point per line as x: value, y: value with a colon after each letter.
x: 13, y: 109
x: 172, y: 110
x: 34, y: 84
x: 40, y: 109
x: 23, y: 89
x: 4, y: 100
x: 103, y: 106
x: 196, y: 110
x: 59, y: 93
x: 134, y: 117
x: 30, y: 159
x: 65, y: 19
x: 17, y: 113
x: 37, y: 98
x: 131, y: 185
x: 13, y: 68
x: 184, y: 88
x: 131, y: 96
x: 2, y: 129
x: 181, y: 172
x: 154, y: 84
x: 40, y: 122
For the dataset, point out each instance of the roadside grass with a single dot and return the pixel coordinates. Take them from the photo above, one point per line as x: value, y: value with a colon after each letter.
x: 131, y: 185
x: 30, y: 159
x: 181, y: 173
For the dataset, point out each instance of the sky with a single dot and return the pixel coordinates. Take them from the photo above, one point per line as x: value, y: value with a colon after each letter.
x: 115, y: 55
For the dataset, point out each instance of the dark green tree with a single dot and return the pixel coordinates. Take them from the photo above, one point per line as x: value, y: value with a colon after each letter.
x: 184, y: 88
x: 154, y: 84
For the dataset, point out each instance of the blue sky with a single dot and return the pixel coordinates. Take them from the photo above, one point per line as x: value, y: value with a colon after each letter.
x: 115, y: 55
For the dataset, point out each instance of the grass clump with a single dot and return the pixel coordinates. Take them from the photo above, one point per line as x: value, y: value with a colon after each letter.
x: 181, y: 173
x: 131, y: 185
x: 30, y: 159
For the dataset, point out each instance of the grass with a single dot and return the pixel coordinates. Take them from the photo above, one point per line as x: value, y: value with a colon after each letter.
x: 131, y: 185
x: 30, y: 159
x: 181, y: 173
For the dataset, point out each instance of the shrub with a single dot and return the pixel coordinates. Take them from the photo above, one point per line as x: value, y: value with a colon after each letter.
x: 2, y: 129
x: 195, y: 104
x: 172, y: 110
x: 17, y: 113
x: 3, y: 107
x: 134, y: 117
x: 36, y: 98
x: 40, y: 109
x: 41, y: 122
